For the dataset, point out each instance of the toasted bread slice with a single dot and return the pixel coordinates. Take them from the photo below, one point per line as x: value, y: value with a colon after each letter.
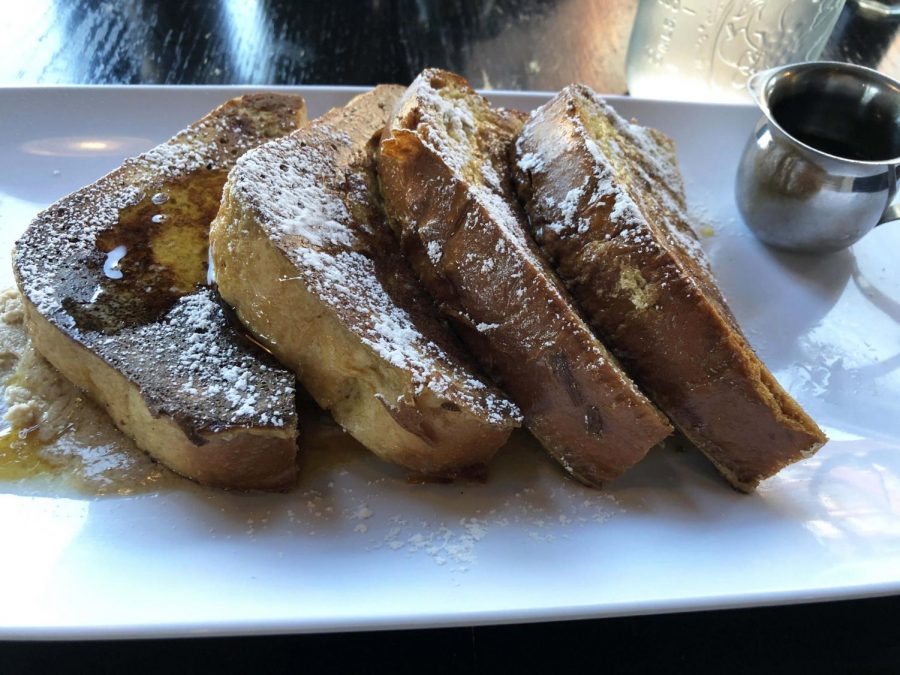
x: 109, y: 277
x: 607, y: 206
x: 445, y: 176
x: 302, y: 252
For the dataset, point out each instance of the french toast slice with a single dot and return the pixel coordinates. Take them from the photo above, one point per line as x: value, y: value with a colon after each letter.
x: 607, y: 207
x: 448, y: 192
x: 302, y: 252
x: 112, y: 282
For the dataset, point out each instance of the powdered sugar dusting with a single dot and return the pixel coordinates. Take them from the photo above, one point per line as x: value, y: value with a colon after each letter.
x: 652, y: 165
x: 531, y: 161
x: 313, y: 193
x: 309, y: 211
x: 59, y: 261
x: 434, y: 252
x: 478, y: 165
x: 198, y: 364
x: 632, y: 161
x: 525, y: 504
x: 507, y: 301
x: 70, y: 227
x: 477, y: 161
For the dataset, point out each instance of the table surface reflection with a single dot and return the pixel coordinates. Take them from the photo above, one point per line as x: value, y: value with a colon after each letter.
x: 502, y: 44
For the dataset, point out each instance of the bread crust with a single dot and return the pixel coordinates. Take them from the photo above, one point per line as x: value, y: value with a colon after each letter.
x: 109, y: 280
x: 445, y: 178
x: 302, y: 252
x: 606, y: 205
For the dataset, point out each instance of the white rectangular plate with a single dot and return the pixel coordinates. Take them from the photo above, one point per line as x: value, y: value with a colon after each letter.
x: 357, y: 547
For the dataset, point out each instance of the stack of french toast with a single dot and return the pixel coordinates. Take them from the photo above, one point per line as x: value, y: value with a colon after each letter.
x: 435, y: 272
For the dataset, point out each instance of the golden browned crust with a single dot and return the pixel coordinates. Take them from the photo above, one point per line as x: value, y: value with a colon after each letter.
x: 109, y: 276
x: 302, y: 252
x: 606, y: 205
x: 445, y: 178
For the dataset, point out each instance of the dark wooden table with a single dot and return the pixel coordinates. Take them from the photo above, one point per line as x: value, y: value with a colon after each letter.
x: 848, y: 637
x: 504, y: 44
x: 516, y: 44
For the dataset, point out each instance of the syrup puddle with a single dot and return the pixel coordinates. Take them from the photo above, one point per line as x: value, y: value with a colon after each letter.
x: 52, y: 439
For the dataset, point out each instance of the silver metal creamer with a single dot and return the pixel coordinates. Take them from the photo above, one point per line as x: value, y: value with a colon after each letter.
x: 820, y: 169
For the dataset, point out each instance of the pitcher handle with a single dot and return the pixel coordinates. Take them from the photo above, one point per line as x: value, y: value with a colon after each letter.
x: 892, y: 211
